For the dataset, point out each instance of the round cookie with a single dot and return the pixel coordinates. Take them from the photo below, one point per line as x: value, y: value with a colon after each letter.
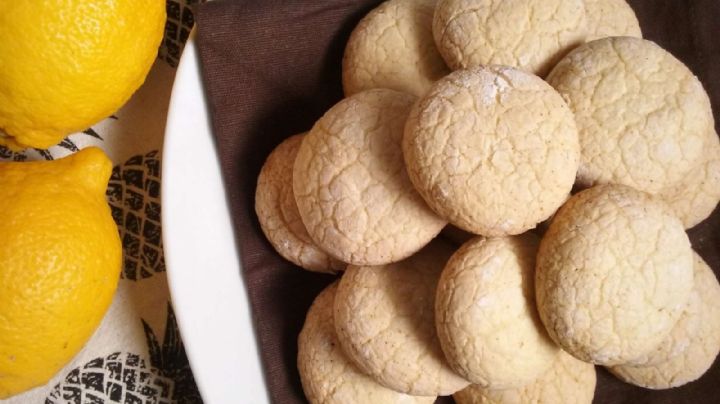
x: 695, y: 197
x: 278, y: 214
x: 350, y: 184
x: 614, y: 274
x: 393, y: 47
x: 327, y: 375
x: 531, y: 35
x: 568, y: 381
x: 642, y: 115
x: 610, y: 18
x: 485, y: 313
x: 702, y: 349
x: 494, y: 150
x: 384, y: 317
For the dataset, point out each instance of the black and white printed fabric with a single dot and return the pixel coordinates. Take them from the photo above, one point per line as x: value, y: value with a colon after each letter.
x: 136, y: 356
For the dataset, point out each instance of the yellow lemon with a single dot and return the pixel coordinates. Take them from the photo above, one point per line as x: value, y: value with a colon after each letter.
x: 60, y: 259
x: 64, y: 65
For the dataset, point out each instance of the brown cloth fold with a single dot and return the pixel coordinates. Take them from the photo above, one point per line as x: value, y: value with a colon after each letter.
x: 271, y: 68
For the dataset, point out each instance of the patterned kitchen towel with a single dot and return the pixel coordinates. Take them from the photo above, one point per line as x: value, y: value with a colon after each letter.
x: 136, y: 355
x: 272, y: 68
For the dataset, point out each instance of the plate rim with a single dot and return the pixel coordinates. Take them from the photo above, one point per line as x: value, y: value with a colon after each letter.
x: 213, y: 386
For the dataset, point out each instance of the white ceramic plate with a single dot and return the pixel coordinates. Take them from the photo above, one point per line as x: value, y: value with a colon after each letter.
x: 203, y: 267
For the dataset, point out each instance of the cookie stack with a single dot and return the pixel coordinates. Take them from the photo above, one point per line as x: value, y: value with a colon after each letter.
x: 495, y: 120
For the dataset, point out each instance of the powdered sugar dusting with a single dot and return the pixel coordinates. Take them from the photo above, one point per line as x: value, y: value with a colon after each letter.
x: 489, y: 92
x: 490, y: 84
x: 515, y: 77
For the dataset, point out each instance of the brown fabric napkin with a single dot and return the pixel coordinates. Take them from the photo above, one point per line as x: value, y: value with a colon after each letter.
x: 271, y: 68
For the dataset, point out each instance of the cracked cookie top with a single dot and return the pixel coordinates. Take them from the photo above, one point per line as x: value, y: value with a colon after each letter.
x: 485, y: 313
x: 695, y: 197
x: 693, y: 345
x: 610, y: 18
x: 350, y: 184
x: 568, y: 381
x: 385, y: 320
x: 327, y: 374
x: 613, y: 275
x: 493, y: 150
x: 643, y: 117
x: 531, y: 35
x: 392, y: 47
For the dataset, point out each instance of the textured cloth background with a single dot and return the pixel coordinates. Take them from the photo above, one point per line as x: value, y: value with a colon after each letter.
x: 136, y: 355
x: 272, y: 68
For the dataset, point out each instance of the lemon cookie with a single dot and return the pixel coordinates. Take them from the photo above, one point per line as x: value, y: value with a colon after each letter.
x: 695, y: 197
x: 393, y: 47
x: 278, y: 214
x: 614, y: 274
x: 485, y: 313
x: 531, y: 35
x: 494, y: 150
x: 610, y: 18
x: 327, y: 375
x: 702, y: 347
x: 568, y: 381
x: 642, y: 115
x: 350, y: 184
x: 384, y: 317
